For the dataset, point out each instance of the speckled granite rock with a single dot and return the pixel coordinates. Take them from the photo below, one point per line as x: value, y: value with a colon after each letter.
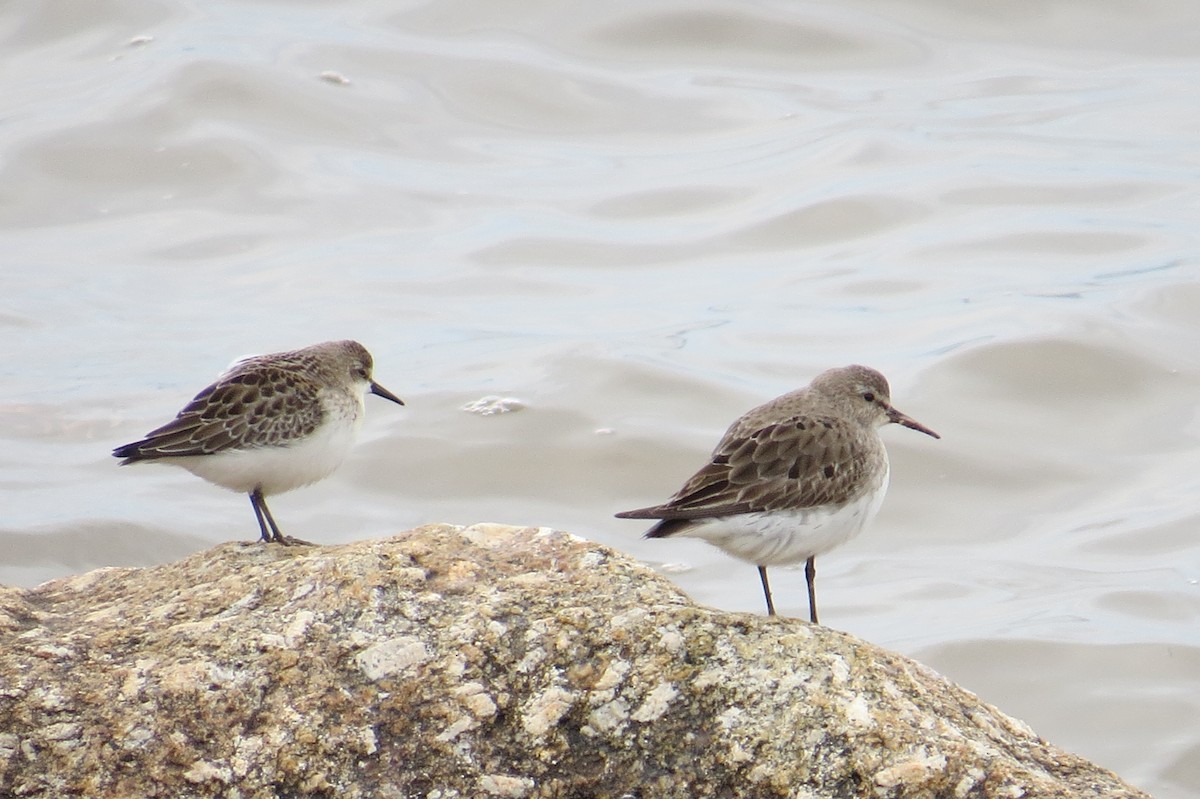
x: 486, y: 661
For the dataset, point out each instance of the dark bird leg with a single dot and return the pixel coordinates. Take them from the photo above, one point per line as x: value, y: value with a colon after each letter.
x: 810, y: 573
x: 762, y: 575
x: 263, y: 514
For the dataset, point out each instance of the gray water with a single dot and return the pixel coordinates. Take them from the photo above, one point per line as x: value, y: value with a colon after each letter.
x: 640, y: 219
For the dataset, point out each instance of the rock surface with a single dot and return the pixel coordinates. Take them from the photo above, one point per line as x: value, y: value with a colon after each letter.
x: 486, y: 661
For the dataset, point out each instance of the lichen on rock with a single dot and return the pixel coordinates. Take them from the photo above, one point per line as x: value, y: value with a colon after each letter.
x: 473, y: 662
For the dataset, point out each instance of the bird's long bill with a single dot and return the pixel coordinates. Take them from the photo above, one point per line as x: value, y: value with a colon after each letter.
x: 908, y: 421
x: 380, y: 391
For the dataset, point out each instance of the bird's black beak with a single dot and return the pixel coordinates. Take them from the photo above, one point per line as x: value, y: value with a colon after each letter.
x: 899, y: 418
x: 380, y: 391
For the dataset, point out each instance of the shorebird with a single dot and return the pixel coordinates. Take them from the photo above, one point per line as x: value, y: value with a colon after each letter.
x: 791, y: 479
x: 269, y: 424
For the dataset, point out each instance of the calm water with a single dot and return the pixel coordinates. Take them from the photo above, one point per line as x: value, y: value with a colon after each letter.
x: 641, y: 219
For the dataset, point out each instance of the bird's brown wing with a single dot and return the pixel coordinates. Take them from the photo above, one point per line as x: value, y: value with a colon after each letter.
x: 802, y: 461
x: 266, y: 405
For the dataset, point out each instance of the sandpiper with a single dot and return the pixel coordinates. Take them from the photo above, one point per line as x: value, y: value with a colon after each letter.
x: 792, y: 478
x: 269, y: 424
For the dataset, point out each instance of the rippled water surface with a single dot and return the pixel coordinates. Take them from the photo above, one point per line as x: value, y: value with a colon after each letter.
x: 640, y: 219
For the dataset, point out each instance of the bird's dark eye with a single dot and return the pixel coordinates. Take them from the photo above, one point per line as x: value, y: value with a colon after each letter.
x: 869, y: 397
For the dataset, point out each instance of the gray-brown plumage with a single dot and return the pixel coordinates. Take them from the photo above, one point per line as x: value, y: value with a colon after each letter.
x: 792, y: 478
x: 269, y: 424
x: 267, y: 403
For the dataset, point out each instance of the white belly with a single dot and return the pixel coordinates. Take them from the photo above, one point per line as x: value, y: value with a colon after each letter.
x: 785, y: 537
x: 277, y: 469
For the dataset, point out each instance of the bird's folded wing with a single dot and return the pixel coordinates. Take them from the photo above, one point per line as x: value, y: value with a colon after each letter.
x: 800, y: 462
x: 266, y: 406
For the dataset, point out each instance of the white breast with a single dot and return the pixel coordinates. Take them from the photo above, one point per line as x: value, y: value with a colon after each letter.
x: 776, y: 538
x: 278, y: 469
